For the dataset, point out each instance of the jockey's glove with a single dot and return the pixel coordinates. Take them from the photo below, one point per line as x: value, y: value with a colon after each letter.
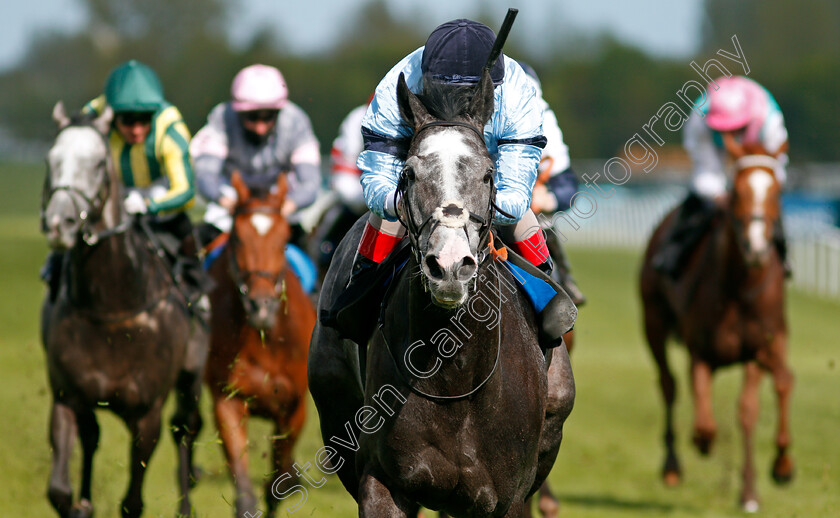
x: 134, y: 203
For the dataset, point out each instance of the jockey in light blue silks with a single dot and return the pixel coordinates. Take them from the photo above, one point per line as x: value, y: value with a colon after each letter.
x: 513, y: 136
x: 455, y: 54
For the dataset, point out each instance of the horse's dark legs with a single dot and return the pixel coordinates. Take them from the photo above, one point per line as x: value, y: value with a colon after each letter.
x: 232, y: 422
x: 336, y: 389
x: 656, y: 330
x: 185, y: 425
x: 783, y: 384
x: 89, y: 435
x: 63, y: 429
x: 705, y: 428
x: 145, y: 432
x: 377, y: 501
x: 748, y: 416
x: 286, y: 433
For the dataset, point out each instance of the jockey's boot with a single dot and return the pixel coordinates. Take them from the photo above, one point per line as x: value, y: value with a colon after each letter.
x: 355, y: 311
x: 563, y: 273
x: 781, y: 245
x: 51, y: 273
x: 558, y: 315
x: 693, y: 219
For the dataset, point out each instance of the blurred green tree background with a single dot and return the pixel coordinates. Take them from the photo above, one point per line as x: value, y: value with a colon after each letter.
x: 602, y: 90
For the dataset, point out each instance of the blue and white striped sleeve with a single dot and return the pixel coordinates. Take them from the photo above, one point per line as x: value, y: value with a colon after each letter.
x: 517, y: 126
x: 387, y: 137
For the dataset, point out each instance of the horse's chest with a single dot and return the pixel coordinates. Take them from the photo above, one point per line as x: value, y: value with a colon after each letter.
x: 129, y: 362
x: 466, y: 462
x: 735, y: 335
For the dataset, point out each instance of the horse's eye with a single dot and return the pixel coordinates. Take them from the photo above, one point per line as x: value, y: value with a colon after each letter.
x: 488, y: 176
x: 409, y: 172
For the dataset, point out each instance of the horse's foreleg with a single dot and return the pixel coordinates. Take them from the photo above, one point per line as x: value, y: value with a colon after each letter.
x: 286, y: 433
x: 783, y: 383
x: 547, y: 504
x: 185, y: 425
x: 145, y: 433
x: 232, y: 422
x: 377, y: 501
x: 705, y: 428
x: 656, y: 331
x: 748, y: 416
x: 336, y: 389
x: 89, y: 435
x: 63, y: 429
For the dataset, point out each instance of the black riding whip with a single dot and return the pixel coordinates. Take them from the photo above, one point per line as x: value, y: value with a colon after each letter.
x: 496, y: 51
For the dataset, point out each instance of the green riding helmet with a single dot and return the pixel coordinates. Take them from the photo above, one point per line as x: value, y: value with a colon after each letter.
x: 134, y: 87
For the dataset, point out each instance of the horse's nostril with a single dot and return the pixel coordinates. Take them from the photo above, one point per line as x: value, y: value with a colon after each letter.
x: 435, y: 271
x: 467, y: 268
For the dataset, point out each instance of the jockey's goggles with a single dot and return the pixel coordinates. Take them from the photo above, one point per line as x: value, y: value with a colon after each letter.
x: 259, y: 115
x: 132, y: 118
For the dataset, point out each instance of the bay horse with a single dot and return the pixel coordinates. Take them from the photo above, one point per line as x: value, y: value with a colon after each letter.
x: 470, y: 427
x: 118, y: 335
x: 262, y: 321
x: 727, y: 307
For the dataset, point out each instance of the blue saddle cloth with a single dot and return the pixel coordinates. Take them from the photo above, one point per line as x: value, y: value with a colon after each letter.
x: 301, y: 264
x: 538, y: 291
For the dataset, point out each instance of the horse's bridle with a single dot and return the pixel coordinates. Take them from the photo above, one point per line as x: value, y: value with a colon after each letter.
x: 407, y: 217
x: 241, y: 277
x: 92, y: 211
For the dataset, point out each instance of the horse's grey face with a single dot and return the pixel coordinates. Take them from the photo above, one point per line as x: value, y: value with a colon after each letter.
x: 451, y: 170
x: 77, y: 165
x: 449, y: 176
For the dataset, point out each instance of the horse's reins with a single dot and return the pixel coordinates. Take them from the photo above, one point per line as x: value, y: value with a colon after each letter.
x: 414, y: 232
x: 435, y: 396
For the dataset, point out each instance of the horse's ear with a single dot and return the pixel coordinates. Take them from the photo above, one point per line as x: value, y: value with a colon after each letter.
x: 411, y: 108
x: 242, y: 191
x: 59, y: 115
x: 103, y: 122
x: 735, y: 149
x: 482, y: 104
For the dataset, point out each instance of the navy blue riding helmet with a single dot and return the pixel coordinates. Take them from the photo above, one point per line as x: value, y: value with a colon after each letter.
x: 457, y: 51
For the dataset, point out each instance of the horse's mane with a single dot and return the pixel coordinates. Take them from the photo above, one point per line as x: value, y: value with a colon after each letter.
x: 82, y: 118
x: 445, y: 101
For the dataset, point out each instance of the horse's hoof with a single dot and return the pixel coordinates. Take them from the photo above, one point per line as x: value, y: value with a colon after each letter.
x: 704, y: 440
x: 750, y: 505
x: 671, y: 478
x: 83, y: 509
x: 782, y: 470
x: 548, y: 506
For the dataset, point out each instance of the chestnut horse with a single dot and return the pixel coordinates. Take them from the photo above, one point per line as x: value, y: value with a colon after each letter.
x: 261, y: 325
x: 727, y: 307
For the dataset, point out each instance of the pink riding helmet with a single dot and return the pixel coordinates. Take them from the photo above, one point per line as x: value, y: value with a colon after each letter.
x: 259, y: 87
x: 739, y: 102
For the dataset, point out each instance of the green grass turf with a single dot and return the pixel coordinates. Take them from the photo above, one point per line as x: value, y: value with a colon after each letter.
x: 612, y: 452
